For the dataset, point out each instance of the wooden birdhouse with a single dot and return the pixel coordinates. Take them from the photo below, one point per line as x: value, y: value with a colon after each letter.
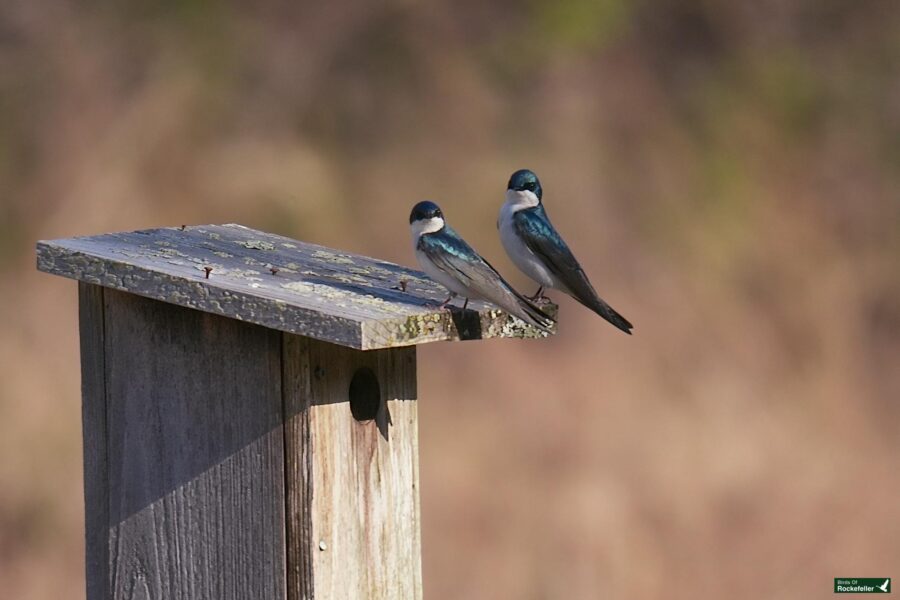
x: 249, y: 413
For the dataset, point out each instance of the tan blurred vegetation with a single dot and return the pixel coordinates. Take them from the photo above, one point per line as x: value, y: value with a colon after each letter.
x: 728, y: 173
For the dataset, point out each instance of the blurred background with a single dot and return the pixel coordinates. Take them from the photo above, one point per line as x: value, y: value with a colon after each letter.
x: 728, y: 174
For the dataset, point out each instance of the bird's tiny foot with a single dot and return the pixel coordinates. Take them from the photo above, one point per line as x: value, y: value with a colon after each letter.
x: 440, y: 305
x: 538, y: 296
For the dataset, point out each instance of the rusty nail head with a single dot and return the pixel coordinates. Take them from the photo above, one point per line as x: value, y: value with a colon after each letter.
x: 208, y: 270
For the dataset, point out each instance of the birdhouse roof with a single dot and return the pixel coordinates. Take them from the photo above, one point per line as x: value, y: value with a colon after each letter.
x: 277, y: 282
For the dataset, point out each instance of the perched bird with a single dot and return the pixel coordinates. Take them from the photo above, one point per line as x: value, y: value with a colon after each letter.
x: 450, y: 261
x: 538, y: 250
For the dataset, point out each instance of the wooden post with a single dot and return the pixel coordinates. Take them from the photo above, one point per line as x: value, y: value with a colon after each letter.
x: 249, y: 413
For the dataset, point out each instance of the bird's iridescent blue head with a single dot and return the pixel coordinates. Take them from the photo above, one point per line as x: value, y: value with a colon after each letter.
x: 426, y: 217
x: 525, y: 180
x: 424, y: 211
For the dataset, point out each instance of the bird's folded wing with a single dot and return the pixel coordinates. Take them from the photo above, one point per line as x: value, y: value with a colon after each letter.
x: 452, y: 254
x: 538, y: 234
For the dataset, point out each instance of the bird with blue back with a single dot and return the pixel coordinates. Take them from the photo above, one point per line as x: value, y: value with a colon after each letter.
x: 538, y: 250
x: 450, y: 261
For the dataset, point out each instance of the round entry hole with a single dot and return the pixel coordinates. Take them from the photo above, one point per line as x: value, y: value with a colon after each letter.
x: 365, y: 394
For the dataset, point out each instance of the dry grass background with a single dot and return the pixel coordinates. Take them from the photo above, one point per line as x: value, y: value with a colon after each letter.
x: 729, y: 176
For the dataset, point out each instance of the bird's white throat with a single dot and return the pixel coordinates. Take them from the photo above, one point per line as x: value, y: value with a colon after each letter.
x: 521, y: 199
x: 423, y: 226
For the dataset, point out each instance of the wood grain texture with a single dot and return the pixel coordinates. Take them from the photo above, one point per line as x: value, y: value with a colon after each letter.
x: 361, y: 504
x: 325, y: 294
x: 195, y: 451
x: 298, y: 467
x: 93, y: 418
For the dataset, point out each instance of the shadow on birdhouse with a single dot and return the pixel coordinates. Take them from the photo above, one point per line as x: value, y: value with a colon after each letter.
x: 467, y: 323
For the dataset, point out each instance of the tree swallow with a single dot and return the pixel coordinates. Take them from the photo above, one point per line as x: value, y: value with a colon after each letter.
x: 450, y: 261
x: 538, y: 250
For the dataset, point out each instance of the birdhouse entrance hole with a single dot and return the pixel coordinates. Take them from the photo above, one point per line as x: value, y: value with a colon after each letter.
x: 365, y: 394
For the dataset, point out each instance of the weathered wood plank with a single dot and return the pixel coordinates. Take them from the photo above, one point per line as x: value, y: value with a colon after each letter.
x: 93, y: 418
x: 298, y: 467
x: 333, y: 296
x: 362, y: 500
x: 195, y: 450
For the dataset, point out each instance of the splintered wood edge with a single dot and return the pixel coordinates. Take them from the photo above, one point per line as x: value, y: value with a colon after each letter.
x: 362, y: 334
